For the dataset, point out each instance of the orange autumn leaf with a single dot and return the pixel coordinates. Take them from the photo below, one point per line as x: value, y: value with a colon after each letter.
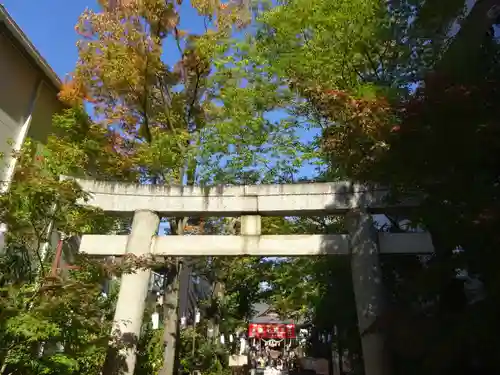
x: 70, y: 93
x: 73, y: 93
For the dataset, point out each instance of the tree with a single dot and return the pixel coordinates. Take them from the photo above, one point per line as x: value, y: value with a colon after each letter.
x: 353, y: 62
x: 171, y: 126
x: 55, y: 321
x: 365, y: 72
x: 455, y: 209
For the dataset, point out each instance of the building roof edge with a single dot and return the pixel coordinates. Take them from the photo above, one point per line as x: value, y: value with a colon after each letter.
x: 23, y: 40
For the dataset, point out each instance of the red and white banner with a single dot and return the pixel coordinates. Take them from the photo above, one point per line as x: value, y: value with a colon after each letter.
x: 271, y: 331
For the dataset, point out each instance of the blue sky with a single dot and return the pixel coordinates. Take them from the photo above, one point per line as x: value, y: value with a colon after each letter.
x: 50, y: 27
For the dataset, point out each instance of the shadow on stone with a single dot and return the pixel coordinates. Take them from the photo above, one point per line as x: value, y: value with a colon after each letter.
x: 116, y: 357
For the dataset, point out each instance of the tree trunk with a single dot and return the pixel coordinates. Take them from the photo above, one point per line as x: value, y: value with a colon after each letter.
x: 170, y: 313
x: 171, y: 308
x: 218, y: 294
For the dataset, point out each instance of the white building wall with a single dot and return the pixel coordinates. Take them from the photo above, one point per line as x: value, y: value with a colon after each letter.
x: 46, y: 105
x: 18, y: 83
x: 28, y: 98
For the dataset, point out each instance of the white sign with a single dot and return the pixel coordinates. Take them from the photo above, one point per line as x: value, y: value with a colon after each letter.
x: 155, y: 320
x: 243, y: 344
x: 3, y: 231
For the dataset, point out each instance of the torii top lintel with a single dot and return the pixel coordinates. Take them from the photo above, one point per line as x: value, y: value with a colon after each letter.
x: 309, y: 199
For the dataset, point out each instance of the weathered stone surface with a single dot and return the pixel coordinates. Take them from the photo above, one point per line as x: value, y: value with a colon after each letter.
x: 271, y: 200
x: 273, y: 245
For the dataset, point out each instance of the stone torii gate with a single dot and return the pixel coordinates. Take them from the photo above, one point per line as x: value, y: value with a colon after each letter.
x: 147, y: 203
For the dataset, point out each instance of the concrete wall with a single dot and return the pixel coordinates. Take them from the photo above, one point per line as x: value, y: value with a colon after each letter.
x: 47, y: 104
x: 28, y: 100
x: 18, y: 81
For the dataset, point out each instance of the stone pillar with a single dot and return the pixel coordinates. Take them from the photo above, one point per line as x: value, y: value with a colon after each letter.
x: 250, y: 225
x: 133, y: 292
x: 368, y: 289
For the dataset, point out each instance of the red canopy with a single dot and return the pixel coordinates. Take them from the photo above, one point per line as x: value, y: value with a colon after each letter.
x: 271, y: 330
